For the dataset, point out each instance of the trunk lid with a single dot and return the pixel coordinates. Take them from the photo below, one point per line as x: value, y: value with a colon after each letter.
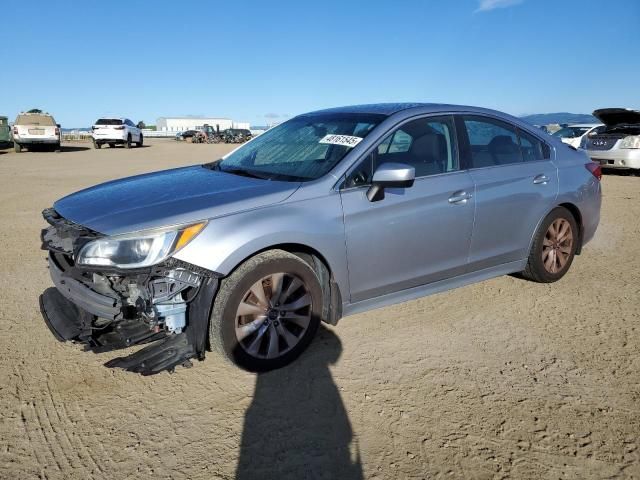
x: 617, y: 116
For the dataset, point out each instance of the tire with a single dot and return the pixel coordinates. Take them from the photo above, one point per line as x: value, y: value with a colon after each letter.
x: 552, y: 254
x: 292, y: 337
x: 57, y: 148
x: 127, y: 144
x: 17, y: 147
x: 112, y: 145
x: 97, y: 145
x: 139, y: 144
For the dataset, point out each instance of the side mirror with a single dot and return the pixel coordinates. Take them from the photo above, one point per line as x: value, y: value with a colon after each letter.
x: 390, y: 175
x: 58, y: 125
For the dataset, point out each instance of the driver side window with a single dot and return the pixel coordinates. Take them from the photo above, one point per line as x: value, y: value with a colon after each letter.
x: 427, y: 144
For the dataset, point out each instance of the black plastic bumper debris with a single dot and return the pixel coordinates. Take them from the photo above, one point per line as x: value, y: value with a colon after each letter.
x: 164, y: 354
x: 65, y: 320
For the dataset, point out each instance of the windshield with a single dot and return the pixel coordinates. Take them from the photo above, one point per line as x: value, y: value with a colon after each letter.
x: 571, y: 132
x: 302, y: 149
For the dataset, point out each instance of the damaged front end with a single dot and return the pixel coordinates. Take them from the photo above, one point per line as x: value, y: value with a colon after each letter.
x: 166, y: 306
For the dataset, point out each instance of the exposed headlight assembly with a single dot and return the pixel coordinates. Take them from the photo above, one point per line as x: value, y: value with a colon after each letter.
x: 137, y: 250
x: 632, y: 141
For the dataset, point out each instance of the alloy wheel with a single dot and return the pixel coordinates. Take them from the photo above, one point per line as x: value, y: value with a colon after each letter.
x: 273, y: 316
x: 557, y: 246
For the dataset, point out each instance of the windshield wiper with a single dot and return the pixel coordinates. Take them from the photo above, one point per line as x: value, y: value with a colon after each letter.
x: 245, y: 173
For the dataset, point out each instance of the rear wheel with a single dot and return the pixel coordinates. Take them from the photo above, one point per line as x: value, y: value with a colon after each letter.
x: 57, y: 148
x: 128, y: 142
x: 266, y: 312
x: 139, y: 143
x: 17, y: 147
x: 553, y: 248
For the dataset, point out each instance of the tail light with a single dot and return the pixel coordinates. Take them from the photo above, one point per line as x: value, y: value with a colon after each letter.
x: 595, y: 169
x: 15, y: 130
x: 57, y: 131
x: 120, y: 127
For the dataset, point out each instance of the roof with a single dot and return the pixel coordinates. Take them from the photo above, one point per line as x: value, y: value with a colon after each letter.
x: 193, y: 117
x: 382, y: 108
x: 393, y: 108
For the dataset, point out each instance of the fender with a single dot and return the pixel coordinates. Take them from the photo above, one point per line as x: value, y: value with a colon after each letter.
x: 315, y: 223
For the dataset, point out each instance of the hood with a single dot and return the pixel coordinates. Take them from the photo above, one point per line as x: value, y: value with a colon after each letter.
x: 168, y: 197
x: 617, y: 116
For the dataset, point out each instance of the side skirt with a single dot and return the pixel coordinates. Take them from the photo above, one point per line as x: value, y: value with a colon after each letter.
x: 431, y: 288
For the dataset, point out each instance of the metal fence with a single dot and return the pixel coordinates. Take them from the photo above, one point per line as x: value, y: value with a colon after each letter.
x: 75, y: 136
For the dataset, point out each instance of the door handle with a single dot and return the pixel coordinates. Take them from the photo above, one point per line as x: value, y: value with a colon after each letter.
x: 459, y: 198
x: 541, y: 179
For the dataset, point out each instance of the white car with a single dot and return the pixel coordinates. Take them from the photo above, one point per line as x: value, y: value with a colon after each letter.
x: 572, y: 134
x: 116, y: 131
x: 35, y: 128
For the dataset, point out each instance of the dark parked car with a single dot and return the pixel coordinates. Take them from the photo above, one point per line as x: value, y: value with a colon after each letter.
x: 236, y: 135
x: 186, y: 134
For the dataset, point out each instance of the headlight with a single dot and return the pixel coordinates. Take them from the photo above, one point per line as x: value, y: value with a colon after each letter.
x: 632, y: 141
x: 137, y: 250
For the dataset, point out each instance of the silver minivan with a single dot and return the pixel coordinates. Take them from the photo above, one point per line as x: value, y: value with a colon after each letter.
x: 616, y: 144
x: 328, y: 214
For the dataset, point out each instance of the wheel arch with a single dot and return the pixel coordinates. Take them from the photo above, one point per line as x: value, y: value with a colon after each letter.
x: 332, y: 305
x: 577, y: 215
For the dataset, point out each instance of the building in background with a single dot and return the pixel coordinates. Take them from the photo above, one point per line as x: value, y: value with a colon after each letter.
x: 180, y: 124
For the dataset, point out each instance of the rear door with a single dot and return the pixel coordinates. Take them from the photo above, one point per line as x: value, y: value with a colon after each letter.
x: 516, y: 185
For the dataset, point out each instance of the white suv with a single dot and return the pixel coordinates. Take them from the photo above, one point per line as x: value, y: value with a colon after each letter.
x: 115, y: 131
x: 35, y: 128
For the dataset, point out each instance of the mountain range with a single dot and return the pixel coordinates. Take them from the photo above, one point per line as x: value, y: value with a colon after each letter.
x: 560, y: 117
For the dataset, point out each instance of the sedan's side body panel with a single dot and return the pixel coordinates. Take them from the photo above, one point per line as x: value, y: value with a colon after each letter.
x: 413, y: 236
x: 509, y: 205
x: 314, y: 222
x: 578, y: 187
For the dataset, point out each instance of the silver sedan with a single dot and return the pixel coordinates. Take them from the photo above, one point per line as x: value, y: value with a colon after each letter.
x: 328, y: 214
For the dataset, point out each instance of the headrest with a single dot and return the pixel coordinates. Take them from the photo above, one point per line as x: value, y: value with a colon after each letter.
x: 502, y: 144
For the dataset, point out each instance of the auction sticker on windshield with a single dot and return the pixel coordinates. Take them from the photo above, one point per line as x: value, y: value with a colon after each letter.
x: 344, y: 140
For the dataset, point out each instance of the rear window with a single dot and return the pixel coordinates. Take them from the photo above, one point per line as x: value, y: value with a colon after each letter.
x: 35, y: 119
x: 109, y: 121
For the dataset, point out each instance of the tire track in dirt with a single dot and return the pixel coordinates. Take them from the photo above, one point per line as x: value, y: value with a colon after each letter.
x: 59, y: 435
x: 81, y: 448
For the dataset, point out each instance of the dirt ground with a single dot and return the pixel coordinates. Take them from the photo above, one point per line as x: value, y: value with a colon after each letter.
x: 502, y: 379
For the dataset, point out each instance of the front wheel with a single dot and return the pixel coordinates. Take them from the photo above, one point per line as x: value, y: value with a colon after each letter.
x: 140, y: 142
x: 554, y: 247
x: 17, y: 147
x: 97, y: 145
x: 266, y: 312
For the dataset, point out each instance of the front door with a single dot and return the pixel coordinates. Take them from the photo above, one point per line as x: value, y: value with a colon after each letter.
x: 415, y: 235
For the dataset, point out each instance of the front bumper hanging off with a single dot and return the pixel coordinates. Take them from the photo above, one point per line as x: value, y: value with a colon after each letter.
x: 109, y: 310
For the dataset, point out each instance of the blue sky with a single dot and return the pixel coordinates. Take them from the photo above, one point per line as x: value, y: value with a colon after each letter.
x: 258, y: 60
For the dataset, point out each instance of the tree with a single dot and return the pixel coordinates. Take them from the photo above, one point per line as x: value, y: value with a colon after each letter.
x: 141, y: 124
